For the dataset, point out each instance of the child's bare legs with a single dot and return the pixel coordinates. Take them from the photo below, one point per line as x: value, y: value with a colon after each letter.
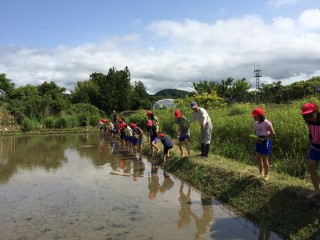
x: 186, y: 141
x: 260, y: 163
x: 140, y: 148
x: 180, y: 147
x: 151, y: 150
x: 314, y: 178
x: 154, y: 146
x: 166, y: 157
x: 265, y: 166
x: 134, y: 149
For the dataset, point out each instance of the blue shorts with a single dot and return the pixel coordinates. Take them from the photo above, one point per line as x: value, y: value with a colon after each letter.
x: 166, y: 150
x: 314, y: 154
x: 264, y: 147
x: 153, y: 140
x: 135, y: 141
x: 122, y: 136
x: 182, y: 138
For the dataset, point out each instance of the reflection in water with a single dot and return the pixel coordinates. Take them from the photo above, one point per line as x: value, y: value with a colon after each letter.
x: 153, y: 182
x: 75, y: 190
x: 204, y: 221
x: 264, y: 234
x: 185, y: 206
x: 42, y: 151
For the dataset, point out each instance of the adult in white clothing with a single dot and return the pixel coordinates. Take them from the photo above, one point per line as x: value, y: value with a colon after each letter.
x: 201, y: 115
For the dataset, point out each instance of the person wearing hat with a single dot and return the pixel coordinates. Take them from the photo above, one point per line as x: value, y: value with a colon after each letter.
x: 138, y: 136
x: 310, y: 113
x: 153, y: 118
x: 153, y: 132
x: 167, y: 145
x: 183, y: 133
x: 201, y: 115
x: 264, y: 130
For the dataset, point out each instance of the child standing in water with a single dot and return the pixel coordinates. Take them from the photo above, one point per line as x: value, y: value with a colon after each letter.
x: 264, y: 131
x: 310, y: 113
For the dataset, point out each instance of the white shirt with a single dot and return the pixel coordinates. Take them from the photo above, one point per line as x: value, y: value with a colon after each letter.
x: 201, y: 116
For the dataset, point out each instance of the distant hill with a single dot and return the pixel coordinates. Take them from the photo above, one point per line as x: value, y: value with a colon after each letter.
x: 172, y: 93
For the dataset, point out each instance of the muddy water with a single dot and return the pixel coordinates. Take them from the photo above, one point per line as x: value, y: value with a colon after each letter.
x: 84, y: 186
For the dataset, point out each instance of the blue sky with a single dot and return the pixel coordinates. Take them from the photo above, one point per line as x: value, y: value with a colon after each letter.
x: 165, y: 44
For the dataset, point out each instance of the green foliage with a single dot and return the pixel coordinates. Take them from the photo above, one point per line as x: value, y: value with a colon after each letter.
x: 172, y: 93
x: 139, y: 118
x: 49, y: 122
x: 6, y: 86
x: 29, y: 125
x: 239, y: 109
x: 139, y: 97
x: 226, y: 89
x: 61, y: 122
x: 167, y: 122
x: 207, y: 101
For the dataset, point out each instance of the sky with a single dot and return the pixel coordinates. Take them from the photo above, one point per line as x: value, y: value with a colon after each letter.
x: 164, y: 43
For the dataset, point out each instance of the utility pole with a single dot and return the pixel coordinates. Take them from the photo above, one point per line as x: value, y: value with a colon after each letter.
x: 257, y: 75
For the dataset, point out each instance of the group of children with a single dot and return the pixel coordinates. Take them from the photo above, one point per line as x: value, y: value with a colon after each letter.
x: 133, y: 136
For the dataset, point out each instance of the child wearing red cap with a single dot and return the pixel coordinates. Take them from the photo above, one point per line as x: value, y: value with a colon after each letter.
x: 153, y: 118
x: 183, y: 132
x: 138, y: 137
x: 153, y: 135
x: 167, y: 145
x: 264, y: 130
x: 310, y: 113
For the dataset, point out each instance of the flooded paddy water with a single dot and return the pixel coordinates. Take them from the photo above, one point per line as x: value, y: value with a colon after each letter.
x: 86, y: 186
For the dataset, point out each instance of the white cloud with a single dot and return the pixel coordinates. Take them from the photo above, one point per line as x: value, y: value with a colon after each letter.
x: 281, y: 3
x: 175, y: 54
x: 310, y: 19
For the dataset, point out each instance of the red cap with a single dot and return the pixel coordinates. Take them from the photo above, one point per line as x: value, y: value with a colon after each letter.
x: 308, y: 108
x: 177, y: 113
x: 257, y: 112
x: 149, y: 123
x: 161, y: 135
x: 149, y: 113
x: 133, y: 125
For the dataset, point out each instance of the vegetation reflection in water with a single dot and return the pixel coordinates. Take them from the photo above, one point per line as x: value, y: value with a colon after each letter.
x: 201, y: 219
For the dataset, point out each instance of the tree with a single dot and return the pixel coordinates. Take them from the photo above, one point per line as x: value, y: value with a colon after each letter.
x: 85, y: 92
x: 6, y: 86
x: 139, y: 97
x: 54, y: 97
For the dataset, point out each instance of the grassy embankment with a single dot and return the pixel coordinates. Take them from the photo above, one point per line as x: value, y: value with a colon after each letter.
x: 229, y: 173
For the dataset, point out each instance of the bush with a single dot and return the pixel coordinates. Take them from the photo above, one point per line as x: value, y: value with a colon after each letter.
x: 28, y: 125
x: 239, y: 109
x: 61, y: 122
x: 49, y: 122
